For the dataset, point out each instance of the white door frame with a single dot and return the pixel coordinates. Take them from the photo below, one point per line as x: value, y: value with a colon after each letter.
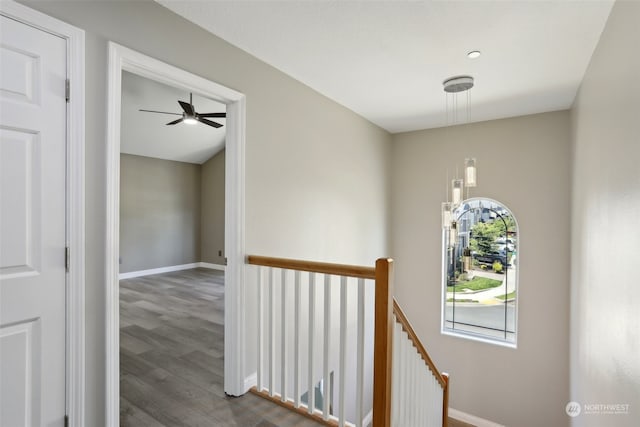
x: 122, y: 58
x: 74, y: 37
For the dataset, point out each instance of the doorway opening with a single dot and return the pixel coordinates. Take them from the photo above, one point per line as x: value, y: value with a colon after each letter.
x: 172, y: 193
x: 123, y: 60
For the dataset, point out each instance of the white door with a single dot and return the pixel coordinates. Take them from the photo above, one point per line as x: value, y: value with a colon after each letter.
x: 32, y: 226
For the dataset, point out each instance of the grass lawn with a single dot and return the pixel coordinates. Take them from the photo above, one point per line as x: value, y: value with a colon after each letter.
x: 475, y: 284
x: 509, y: 295
x: 461, y: 300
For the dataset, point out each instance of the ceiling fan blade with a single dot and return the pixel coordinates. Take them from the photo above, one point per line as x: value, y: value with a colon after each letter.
x: 212, y: 114
x: 175, y: 122
x: 209, y: 122
x: 188, y: 108
x: 161, y: 112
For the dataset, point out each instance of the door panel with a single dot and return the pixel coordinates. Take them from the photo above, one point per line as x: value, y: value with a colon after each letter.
x: 20, y: 231
x: 20, y: 80
x: 20, y: 373
x: 32, y: 226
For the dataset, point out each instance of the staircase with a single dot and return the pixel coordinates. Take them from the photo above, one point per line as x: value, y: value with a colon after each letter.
x: 333, y: 345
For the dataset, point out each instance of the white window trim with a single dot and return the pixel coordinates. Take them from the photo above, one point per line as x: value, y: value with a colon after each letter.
x: 470, y: 335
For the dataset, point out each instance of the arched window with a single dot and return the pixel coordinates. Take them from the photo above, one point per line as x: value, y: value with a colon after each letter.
x: 480, y: 272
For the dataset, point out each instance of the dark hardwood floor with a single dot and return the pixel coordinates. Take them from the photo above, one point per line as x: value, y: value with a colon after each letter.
x: 171, y: 357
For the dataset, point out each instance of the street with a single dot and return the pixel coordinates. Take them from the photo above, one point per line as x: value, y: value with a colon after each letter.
x: 477, y: 318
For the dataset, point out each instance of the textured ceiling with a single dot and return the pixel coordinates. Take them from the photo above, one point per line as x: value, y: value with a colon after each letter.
x: 386, y: 60
x: 146, y: 134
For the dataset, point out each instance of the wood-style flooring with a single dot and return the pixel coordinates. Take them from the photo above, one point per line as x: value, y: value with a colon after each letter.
x: 171, y: 357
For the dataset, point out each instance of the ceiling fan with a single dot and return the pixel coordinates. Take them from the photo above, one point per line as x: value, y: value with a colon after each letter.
x: 190, y: 116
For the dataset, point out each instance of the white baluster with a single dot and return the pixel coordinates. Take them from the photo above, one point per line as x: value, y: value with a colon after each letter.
x: 419, y: 402
x: 406, y: 347
x: 403, y: 381
x: 425, y: 405
x: 412, y: 385
x: 437, y: 399
x: 272, y: 347
x: 343, y: 347
x: 296, y: 341
x: 260, y: 332
x: 283, y: 337
x: 395, y: 374
x: 312, y: 322
x: 422, y: 396
x: 327, y: 342
x: 360, y: 355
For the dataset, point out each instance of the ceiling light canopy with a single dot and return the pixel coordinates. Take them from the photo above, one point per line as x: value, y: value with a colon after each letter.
x: 458, y: 84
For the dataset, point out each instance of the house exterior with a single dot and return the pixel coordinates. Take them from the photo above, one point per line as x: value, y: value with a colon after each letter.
x: 351, y: 192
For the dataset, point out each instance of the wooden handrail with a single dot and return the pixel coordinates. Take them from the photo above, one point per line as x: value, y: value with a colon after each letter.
x: 383, y: 344
x: 314, y: 267
x: 406, y: 326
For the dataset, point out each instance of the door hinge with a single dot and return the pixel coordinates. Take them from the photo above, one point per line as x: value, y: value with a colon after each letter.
x: 67, y: 259
x: 66, y: 421
x: 67, y: 90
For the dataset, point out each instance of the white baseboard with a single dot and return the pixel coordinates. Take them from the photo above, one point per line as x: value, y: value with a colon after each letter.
x: 368, y: 419
x: 251, y: 381
x: 169, y: 269
x: 212, y: 266
x: 160, y: 270
x: 472, y: 419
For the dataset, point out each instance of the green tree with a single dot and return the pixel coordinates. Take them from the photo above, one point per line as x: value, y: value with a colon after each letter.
x: 484, y: 234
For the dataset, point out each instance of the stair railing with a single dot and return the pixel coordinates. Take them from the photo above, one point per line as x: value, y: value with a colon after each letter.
x: 420, y: 393
x: 408, y: 389
x: 312, y: 333
x: 311, y: 338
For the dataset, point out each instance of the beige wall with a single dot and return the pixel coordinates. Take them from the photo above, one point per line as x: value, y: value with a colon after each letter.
x: 524, y: 163
x: 159, y: 213
x: 212, y: 218
x: 316, y: 173
x: 605, y: 297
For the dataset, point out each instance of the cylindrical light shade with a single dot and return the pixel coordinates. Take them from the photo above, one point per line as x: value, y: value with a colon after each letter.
x: 466, y: 259
x: 446, y: 215
x: 453, y: 233
x: 470, y: 172
x: 456, y: 191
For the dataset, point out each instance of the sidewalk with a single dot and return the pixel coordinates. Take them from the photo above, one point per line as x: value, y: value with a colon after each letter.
x: 488, y: 296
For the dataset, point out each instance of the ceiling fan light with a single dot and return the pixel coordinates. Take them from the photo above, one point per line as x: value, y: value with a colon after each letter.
x: 190, y: 120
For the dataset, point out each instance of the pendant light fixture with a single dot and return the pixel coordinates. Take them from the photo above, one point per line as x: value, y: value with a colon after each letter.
x: 457, y: 186
x: 453, y: 233
x: 446, y: 215
x: 466, y: 259
x: 453, y: 87
x: 470, y: 172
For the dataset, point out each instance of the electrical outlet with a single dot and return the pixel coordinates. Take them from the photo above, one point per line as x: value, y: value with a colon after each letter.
x: 220, y: 253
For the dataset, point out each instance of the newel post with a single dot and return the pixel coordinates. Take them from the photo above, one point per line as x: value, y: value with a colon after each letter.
x: 445, y: 400
x: 383, y: 343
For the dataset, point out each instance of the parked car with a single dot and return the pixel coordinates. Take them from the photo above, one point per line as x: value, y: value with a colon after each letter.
x: 492, y: 257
